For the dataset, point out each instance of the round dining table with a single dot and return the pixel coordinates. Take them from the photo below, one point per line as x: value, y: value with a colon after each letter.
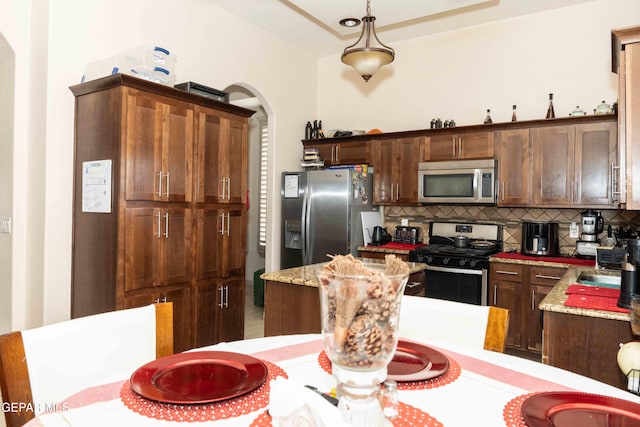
x: 477, y: 388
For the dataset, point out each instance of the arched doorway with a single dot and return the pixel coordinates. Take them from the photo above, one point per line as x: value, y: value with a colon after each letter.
x: 259, y: 135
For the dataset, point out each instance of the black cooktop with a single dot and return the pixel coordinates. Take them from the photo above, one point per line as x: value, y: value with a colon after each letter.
x: 452, y: 250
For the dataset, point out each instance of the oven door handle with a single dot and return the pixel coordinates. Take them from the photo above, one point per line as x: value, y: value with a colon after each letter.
x: 455, y: 270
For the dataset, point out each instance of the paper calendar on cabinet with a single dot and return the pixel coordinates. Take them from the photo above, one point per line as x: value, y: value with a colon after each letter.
x: 96, y: 186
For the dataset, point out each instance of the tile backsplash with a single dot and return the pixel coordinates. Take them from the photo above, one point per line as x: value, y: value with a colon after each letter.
x: 510, y: 218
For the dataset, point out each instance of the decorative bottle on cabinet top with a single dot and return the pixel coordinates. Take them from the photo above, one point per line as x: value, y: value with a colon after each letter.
x: 550, y: 113
x: 513, y: 115
x: 487, y: 120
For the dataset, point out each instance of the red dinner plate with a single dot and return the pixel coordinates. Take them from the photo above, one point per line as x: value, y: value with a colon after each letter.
x: 198, y: 377
x: 416, y: 362
x: 562, y: 409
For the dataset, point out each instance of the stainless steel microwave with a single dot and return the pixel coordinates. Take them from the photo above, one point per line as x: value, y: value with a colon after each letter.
x: 458, y: 181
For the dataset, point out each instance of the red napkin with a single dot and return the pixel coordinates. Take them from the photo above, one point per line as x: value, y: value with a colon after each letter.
x: 594, y: 297
x: 398, y: 245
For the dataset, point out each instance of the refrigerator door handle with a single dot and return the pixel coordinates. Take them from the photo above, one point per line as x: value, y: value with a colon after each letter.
x: 304, y: 230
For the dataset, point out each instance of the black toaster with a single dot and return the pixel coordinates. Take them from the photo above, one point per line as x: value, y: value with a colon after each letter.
x: 406, y: 234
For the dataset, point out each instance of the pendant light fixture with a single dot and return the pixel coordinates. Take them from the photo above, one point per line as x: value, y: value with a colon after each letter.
x: 368, y: 53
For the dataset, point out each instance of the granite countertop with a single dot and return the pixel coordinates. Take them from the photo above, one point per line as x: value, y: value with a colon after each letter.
x: 390, y: 248
x: 560, y: 261
x: 306, y: 275
x: 554, y: 301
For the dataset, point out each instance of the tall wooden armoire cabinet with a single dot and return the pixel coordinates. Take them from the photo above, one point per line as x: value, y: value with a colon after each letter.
x: 159, y: 209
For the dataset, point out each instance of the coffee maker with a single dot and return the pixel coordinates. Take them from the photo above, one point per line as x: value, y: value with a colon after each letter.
x: 592, y: 225
x: 630, y: 277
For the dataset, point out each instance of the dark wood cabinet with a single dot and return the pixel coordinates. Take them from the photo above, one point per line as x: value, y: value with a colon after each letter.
x: 159, y: 148
x: 521, y: 288
x: 514, y: 167
x: 395, y: 162
x: 541, y: 280
x: 454, y: 146
x: 222, y: 146
x: 342, y: 153
x: 572, y: 165
x: 176, y: 216
x: 219, y: 308
x: 625, y: 56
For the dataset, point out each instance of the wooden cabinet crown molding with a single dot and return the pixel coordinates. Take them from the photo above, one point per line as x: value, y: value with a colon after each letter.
x: 116, y: 80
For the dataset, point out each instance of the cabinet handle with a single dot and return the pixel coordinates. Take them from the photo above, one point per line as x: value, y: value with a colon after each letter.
x: 533, y: 299
x: 512, y: 273
x: 337, y: 153
x: 453, y: 153
x: 226, y: 296
x: 542, y: 276
x: 228, y: 223
x: 223, y: 180
x: 166, y: 225
x: 615, y: 185
x: 460, y: 154
x: 221, y: 303
x: 167, y: 191
x: 502, y: 191
x: 160, y: 184
x: 222, y: 224
x: 495, y: 295
x: 413, y: 284
x: 158, y: 233
x: 228, y: 188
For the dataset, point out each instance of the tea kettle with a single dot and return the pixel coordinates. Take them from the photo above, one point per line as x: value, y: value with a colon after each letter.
x: 380, y: 236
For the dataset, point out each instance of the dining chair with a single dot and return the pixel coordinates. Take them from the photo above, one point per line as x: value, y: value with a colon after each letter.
x: 41, y: 367
x: 435, y: 320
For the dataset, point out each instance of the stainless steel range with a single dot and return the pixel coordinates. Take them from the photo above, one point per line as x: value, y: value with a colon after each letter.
x: 457, y: 259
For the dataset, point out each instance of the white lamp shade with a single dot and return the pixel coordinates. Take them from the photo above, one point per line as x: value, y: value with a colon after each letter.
x: 367, y: 62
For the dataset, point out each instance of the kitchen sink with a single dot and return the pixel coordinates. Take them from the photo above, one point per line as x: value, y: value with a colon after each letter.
x: 605, y: 280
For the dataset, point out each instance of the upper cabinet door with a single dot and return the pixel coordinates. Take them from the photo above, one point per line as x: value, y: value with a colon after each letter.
x: 553, y: 165
x: 222, y: 146
x: 159, y: 144
x: 596, y: 155
x: 514, y: 164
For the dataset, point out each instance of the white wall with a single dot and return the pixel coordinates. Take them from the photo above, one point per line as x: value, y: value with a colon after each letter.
x: 458, y: 75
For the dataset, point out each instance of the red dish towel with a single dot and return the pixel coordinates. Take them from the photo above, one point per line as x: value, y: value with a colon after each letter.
x: 594, y: 297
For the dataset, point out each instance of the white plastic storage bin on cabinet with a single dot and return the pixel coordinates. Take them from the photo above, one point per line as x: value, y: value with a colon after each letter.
x: 148, y: 62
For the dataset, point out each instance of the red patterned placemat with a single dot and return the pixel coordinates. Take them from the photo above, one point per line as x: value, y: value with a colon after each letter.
x: 409, y: 416
x: 512, y: 412
x: 252, y: 401
x: 594, y: 302
x: 593, y: 290
x: 448, y: 377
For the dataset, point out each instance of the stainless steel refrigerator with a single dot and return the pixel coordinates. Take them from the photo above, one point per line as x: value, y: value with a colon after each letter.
x: 321, y: 213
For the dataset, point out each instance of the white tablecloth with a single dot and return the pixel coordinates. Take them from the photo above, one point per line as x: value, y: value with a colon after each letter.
x: 488, y: 381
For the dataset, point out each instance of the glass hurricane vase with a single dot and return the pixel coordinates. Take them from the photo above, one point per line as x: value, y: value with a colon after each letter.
x: 359, y: 317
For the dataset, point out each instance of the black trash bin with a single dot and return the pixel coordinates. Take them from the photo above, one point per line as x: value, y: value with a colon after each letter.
x: 258, y: 288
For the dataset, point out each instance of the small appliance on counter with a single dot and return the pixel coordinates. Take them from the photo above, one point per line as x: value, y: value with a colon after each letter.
x: 406, y: 234
x: 609, y: 257
x: 592, y: 224
x: 540, y: 238
x: 629, y: 285
x: 380, y: 236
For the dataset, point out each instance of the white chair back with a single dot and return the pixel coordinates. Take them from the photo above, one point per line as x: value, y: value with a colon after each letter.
x: 435, y: 320
x: 67, y: 357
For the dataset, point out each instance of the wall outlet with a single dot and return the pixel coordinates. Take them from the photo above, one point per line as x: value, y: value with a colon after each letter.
x: 404, y: 222
x: 574, y: 231
x: 5, y: 225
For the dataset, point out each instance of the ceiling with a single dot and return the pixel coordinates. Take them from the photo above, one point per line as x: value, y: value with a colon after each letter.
x: 314, y: 24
